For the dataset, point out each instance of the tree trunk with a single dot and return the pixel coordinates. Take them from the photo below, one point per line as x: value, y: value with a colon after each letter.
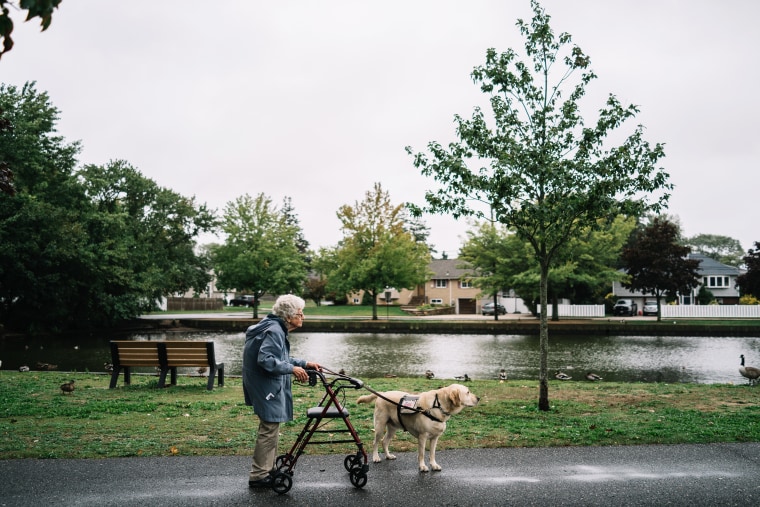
x: 374, y: 304
x: 543, y: 375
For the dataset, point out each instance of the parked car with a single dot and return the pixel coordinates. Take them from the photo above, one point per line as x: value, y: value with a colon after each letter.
x: 242, y: 301
x: 625, y: 307
x: 650, y: 308
x: 488, y: 309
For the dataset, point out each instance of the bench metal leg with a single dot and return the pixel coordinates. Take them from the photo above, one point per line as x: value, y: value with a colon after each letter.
x: 212, y: 371
x: 162, y: 377
x: 114, y: 378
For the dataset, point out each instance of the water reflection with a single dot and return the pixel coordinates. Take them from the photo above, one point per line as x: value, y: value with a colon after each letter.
x: 616, y: 358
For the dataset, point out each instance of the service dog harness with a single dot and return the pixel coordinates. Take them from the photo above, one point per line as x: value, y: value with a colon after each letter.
x: 407, y: 405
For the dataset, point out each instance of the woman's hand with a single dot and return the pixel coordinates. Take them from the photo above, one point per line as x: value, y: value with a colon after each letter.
x: 300, y: 374
x: 314, y: 366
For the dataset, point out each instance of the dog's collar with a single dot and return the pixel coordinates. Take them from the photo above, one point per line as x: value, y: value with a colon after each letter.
x: 437, y: 404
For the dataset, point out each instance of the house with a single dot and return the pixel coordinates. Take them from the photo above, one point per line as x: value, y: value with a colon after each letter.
x: 718, y: 278
x: 450, y: 285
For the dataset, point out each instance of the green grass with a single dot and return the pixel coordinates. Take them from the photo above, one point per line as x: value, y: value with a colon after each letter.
x: 37, y: 421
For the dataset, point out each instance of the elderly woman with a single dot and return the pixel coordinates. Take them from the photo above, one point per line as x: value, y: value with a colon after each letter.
x: 267, y: 367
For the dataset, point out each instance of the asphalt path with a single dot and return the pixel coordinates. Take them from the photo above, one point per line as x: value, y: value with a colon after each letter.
x: 681, y: 475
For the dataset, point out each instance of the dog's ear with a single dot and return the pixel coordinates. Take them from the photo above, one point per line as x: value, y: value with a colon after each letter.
x: 454, y: 396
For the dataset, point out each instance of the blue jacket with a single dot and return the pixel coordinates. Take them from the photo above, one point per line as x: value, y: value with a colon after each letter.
x: 267, y: 370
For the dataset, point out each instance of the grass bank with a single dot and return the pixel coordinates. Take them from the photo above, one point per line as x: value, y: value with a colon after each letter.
x: 38, y: 421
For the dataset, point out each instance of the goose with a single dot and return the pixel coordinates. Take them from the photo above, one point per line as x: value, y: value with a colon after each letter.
x: 562, y: 376
x: 429, y: 374
x: 68, y: 387
x: 749, y: 372
x: 592, y: 376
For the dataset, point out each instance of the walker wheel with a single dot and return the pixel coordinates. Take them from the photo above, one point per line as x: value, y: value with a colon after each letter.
x: 350, y: 462
x: 283, y: 461
x: 358, y: 478
x: 282, y: 482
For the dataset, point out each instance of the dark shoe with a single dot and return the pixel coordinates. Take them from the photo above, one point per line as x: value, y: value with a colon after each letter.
x: 266, y: 482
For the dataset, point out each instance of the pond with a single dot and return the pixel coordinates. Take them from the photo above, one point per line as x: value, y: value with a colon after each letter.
x: 615, y: 358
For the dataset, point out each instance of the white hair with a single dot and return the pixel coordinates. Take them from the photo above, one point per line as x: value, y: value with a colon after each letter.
x: 287, y: 306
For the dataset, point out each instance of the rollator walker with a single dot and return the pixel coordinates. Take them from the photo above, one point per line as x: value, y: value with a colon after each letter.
x: 319, y: 420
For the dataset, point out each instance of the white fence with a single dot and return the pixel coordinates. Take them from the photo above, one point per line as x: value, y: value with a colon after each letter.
x: 710, y: 311
x: 577, y: 310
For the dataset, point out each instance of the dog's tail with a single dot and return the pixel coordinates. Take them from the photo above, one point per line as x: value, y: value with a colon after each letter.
x: 367, y: 398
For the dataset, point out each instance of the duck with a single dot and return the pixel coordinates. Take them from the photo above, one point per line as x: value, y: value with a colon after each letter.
x: 593, y: 376
x: 342, y: 372
x: 68, y: 387
x: 23, y: 368
x: 46, y: 366
x: 749, y: 372
x: 202, y: 370
x: 390, y: 375
x: 562, y: 376
x: 429, y: 374
x: 108, y: 366
x: 464, y: 378
x: 502, y: 375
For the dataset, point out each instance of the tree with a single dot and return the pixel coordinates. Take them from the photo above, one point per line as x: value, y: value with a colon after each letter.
x: 260, y: 254
x: 657, y: 264
x: 84, y: 248
x: 42, y: 9
x: 723, y: 249
x: 543, y: 174
x: 144, y: 236
x: 377, y: 251
x: 749, y: 282
x: 496, y: 256
x: 587, y: 265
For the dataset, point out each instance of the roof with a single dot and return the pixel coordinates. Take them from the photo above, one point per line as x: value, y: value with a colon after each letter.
x: 709, y: 266
x: 449, y: 269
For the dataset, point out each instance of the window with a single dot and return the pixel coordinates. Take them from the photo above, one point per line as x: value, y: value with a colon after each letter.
x: 716, y: 281
x: 465, y: 284
x: 441, y: 284
x: 436, y: 301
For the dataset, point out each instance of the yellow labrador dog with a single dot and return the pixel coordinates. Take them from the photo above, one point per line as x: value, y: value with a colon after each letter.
x: 424, y: 416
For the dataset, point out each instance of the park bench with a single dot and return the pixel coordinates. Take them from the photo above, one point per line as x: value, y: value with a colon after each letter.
x: 166, y: 356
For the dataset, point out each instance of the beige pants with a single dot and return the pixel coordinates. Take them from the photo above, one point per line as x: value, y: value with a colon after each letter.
x: 265, y: 451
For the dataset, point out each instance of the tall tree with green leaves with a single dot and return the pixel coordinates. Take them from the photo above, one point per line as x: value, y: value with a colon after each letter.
x: 533, y: 165
x: 377, y: 251
x: 84, y: 248
x: 260, y: 254
x: 496, y: 256
x: 144, y: 236
x: 657, y: 264
x: 723, y: 249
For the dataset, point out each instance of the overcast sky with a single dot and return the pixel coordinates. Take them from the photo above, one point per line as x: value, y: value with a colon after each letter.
x: 316, y: 100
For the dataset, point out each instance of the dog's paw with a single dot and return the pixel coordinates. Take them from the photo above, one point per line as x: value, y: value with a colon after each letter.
x: 376, y: 458
x: 424, y: 468
x: 435, y: 467
x: 390, y: 456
